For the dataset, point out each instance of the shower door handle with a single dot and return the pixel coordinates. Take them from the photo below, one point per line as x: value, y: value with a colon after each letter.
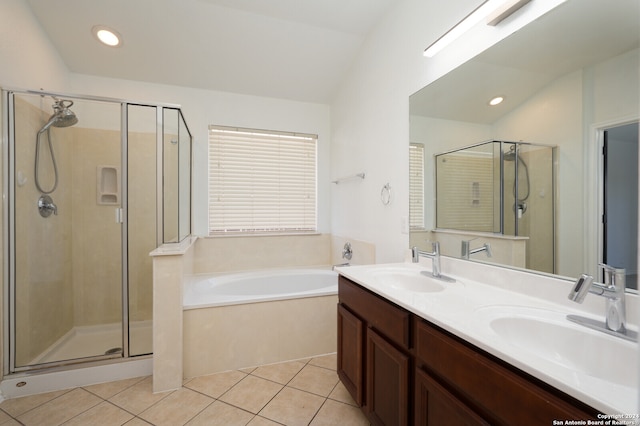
x: 119, y: 215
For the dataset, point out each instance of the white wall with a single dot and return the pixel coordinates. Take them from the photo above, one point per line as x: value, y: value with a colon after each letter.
x: 370, y: 116
x: 27, y: 56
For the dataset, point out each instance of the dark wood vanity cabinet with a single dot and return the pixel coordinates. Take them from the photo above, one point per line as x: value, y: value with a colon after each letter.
x: 376, y: 333
x: 402, y: 370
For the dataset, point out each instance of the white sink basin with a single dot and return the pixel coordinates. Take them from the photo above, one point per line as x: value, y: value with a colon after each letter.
x: 549, y: 335
x: 409, y: 279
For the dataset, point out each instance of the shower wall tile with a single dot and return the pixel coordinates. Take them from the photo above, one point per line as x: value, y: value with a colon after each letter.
x: 44, y: 294
x: 142, y: 198
x: 95, y: 236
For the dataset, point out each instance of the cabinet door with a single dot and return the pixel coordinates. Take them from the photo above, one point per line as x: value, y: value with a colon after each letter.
x: 435, y: 406
x: 387, y: 382
x: 350, y: 356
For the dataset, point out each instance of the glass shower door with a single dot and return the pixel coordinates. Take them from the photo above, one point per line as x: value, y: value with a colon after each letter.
x: 142, y: 207
x: 66, y: 199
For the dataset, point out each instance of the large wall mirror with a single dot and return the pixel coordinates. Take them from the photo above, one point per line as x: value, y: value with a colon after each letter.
x: 570, y: 80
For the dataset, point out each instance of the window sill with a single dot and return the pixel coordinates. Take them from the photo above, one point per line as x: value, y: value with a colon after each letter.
x: 263, y: 234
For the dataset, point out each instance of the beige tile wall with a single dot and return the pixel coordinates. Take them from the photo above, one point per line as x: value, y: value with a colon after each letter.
x: 96, y: 238
x: 44, y: 306
x: 224, y: 254
x: 238, y: 336
x: 142, y: 223
x: 168, y: 275
x: 363, y: 253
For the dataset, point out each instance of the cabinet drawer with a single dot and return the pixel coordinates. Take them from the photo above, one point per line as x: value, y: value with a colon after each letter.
x: 390, y: 320
x: 501, y: 394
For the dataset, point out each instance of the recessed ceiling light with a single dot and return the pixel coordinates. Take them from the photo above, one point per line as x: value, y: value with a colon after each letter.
x: 107, y: 36
x: 496, y: 101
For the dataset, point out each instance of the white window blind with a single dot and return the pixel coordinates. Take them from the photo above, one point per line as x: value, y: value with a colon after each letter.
x: 261, y: 181
x: 416, y: 186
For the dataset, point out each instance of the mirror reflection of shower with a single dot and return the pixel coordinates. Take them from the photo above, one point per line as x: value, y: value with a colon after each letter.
x: 62, y: 117
x: 520, y: 205
x: 488, y: 186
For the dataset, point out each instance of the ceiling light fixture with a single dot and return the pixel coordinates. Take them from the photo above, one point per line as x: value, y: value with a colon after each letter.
x: 496, y: 101
x: 494, y: 10
x: 107, y: 36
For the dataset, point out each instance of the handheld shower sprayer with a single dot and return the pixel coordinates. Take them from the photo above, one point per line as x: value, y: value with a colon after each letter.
x: 62, y: 117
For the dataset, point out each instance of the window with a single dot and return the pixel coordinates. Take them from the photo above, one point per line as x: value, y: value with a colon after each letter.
x: 261, y: 181
x: 416, y: 186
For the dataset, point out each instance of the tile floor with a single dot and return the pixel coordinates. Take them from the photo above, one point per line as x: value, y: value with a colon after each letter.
x: 305, y: 392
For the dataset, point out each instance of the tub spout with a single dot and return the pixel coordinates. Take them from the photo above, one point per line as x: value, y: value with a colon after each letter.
x: 333, y: 268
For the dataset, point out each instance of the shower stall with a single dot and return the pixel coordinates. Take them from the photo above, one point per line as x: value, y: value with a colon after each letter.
x: 501, y: 187
x: 91, y: 186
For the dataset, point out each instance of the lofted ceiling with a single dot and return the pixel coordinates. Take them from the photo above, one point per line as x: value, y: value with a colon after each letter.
x: 290, y: 49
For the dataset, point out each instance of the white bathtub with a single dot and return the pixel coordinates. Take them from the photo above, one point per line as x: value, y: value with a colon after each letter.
x: 202, y: 291
x: 225, y: 328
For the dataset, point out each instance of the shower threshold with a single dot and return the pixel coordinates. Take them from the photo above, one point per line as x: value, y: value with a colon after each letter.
x: 41, y: 381
x: 97, y: 340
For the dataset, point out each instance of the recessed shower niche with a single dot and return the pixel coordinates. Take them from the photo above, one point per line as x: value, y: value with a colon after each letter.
x: 108, y: 185
x: 79, y: 279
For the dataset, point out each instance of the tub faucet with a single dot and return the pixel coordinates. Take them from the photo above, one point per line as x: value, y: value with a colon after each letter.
x: 466, y: 249
x: 434, y: 255
x: 347, y: 251
x: 612, y: 289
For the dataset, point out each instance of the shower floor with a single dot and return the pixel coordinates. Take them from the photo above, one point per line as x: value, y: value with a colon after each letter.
x: 89, y: 341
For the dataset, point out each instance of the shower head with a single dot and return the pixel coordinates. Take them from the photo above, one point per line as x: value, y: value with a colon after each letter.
x: 511, y: 155
x: 62, y: 115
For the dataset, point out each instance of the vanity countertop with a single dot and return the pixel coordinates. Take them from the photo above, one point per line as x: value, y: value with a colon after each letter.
x: 467, y: 307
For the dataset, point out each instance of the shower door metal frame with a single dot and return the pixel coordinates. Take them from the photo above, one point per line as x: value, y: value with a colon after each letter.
x: 8, y: 187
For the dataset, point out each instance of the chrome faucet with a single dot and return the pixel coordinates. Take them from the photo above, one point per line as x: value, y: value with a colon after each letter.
x: 465, y: 251
x: 613, y: 290
x: 434, y: 255
x: 347, y: 251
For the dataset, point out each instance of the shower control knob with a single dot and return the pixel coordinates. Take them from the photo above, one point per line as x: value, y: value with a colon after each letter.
x: 46, y: 206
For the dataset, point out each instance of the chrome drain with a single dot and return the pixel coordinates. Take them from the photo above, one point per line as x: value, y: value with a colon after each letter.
x: 113, y: 351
